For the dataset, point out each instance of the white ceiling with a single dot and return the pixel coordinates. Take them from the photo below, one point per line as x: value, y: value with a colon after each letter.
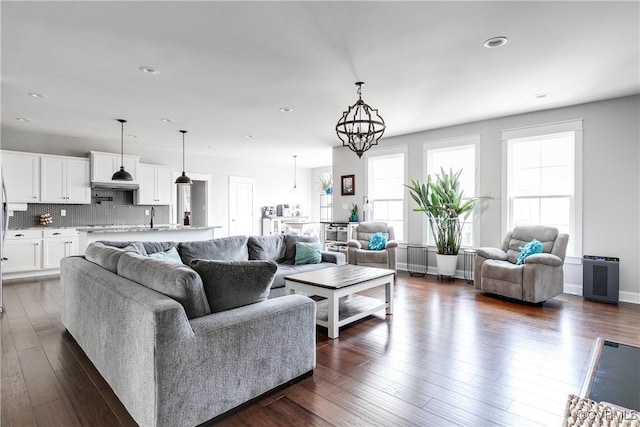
x: 225, y: 68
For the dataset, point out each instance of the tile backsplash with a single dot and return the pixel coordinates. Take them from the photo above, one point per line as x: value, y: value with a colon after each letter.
x: 108, y: 207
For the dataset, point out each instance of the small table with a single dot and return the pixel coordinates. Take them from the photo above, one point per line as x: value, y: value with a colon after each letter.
x: 334, y: 283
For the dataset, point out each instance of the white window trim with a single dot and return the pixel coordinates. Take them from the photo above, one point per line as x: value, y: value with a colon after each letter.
x: 473, y: 139
x: 391, y: 151
x: 545, y: 129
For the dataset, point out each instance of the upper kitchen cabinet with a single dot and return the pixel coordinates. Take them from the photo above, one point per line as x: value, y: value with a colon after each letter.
x: 155, y: 185
x: 103, y: 166
x: 65, y: 180
x: 21, y: 172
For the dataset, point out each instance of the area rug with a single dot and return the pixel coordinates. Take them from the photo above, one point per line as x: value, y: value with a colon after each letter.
x: 581, y: 412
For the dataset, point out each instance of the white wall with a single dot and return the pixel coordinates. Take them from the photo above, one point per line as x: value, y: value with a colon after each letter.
x: 273, y: 181
x: 611, y: 181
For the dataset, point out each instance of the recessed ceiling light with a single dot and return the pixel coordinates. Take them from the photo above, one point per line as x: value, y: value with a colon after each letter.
x: 540, y: 96
x: 494, y: 42
x: 132, y: 135
x: 37, y: 95
x: 166, y: 120
x: 249, y: 136
x: 286, y: 110
x: 22, y: 119
x: 208, y: 147
x: 149, y: 70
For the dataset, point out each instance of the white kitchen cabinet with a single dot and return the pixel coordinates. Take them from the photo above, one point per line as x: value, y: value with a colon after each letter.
x: 155, y: 185
x: 21, y: 172
x: 65, y: 180
x: 36, y: 252
x: 104, y: 165
x: 22, y: 251
x: 57, y: 244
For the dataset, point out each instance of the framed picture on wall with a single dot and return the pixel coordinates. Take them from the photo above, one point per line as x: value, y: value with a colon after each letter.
x: 348, y: 185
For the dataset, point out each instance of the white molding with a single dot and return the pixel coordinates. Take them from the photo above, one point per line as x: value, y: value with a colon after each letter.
x: 574, y: 125
x: 572, y: 289
x: 632, y: 297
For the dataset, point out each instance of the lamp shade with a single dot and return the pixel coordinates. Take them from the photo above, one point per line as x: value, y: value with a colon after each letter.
x: 122, y: 175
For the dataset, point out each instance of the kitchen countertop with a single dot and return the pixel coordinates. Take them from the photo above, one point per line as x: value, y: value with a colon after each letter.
x: 127, y: 228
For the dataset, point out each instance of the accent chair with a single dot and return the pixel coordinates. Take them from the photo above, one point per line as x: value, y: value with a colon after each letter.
x: 539, y: 278
x: 358, y: 252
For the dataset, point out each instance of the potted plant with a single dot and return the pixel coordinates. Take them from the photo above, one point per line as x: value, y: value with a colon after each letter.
x: 326, y: 183
x: 446, y: 209
x: 354, y: 212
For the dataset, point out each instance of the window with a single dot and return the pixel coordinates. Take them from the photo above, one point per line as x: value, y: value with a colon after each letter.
x: 385, y: 188
x: 542, y: 185
x: 455, y: 154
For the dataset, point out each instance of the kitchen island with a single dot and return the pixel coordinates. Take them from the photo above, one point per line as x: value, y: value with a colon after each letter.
x: 159, y: 233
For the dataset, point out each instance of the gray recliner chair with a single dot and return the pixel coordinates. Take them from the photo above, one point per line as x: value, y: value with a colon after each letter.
x: 538, y: 279
x: 359, y: 254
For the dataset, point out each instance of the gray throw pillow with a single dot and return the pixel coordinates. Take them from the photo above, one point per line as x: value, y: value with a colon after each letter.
x: 266, y: 248
x: 231, y: 284
x: 176, y: 281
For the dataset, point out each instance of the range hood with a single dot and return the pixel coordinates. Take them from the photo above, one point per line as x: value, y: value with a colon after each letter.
x: 115, y: 185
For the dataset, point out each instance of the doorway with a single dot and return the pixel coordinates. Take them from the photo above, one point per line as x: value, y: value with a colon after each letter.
x: 241, y: 212
x: 193, y: 199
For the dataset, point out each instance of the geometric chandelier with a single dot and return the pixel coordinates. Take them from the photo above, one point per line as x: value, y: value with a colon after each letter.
x: 360, y: 127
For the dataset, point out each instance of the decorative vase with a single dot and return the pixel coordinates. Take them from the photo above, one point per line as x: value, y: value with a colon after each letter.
x: 446, y: 265
x: 328, y: 191
x: 354, y: 218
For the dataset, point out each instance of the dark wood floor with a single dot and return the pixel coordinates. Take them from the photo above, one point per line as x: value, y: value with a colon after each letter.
x: 447, y: 356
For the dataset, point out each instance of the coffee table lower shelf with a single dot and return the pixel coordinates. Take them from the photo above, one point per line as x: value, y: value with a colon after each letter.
x: 350, y: 308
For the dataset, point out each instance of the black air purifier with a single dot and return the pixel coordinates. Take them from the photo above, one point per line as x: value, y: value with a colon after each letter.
x: 600, y: 278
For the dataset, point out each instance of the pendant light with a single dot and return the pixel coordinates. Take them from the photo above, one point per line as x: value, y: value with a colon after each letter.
x: 360, y: 127
x: 295, y: 174
x: 122, y: 175
x: 183, y: 179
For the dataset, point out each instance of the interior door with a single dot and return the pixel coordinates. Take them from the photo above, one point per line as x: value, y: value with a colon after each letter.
x: 241, y: 212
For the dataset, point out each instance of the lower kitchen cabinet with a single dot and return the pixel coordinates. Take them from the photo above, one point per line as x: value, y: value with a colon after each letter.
x: 37, y: 252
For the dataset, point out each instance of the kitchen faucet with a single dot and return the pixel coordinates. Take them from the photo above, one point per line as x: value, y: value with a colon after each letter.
x: 153, y: 214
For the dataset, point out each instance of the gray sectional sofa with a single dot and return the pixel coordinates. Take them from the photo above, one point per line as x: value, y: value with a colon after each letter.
x: 180, y: 346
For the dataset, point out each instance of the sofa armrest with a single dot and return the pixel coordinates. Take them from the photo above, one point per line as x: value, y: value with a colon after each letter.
x: 391, y: 244
x: 492, y: 253
x: 354, y: 244
x: 334, y: 257
x: 546, y: 259
x: 236, y: 354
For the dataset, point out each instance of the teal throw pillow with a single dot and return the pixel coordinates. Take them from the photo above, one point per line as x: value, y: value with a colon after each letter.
x: 378, y: 241
x: 533, y: 247
x: 307, y: 253
x: 170, y: 255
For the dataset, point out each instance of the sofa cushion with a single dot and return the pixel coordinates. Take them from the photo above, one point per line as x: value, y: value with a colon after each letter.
x: 290, y: 243
x: 176, y: 281
x: 289, y: 269
x: 145, y: 248
x: 108, y: 256
x: 232, y: 248
x: 522, y: 235
x: 307, y: 253
x: 502, y: 270
x: 232, y: 284
x: 266, y: 248
x: 170, y: 255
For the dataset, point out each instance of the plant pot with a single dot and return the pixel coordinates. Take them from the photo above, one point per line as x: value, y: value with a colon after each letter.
x: 354, y: 218
x: 446, y: 265
x: 328, y: 191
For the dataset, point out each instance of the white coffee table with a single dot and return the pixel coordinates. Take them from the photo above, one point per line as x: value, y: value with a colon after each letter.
x: 334, y: 283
